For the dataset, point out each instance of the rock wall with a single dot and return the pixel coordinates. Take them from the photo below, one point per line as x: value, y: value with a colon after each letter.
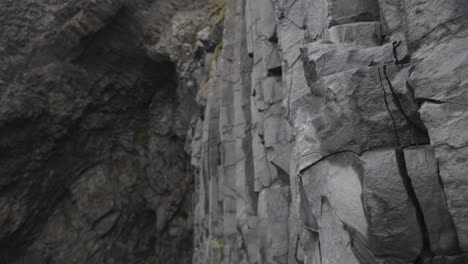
x: 335, y: 132
x: 240, y: 131
x: 95, y: 101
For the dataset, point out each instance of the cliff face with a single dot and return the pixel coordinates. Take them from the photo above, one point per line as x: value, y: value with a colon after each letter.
x: 244, y: 131
x: 95, y: 101
x: 335, y: 132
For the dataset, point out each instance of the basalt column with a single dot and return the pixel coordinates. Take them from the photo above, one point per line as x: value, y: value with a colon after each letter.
x: 350, y: 147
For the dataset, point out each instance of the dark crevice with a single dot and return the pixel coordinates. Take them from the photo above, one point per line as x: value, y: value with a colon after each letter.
x: 243, y: 246
x: 400, y: 107
x: 400, y: 156
x: 395, y: 46
x: 296, y: 249
x: 310, y: 69
x: 326, y: 157
x: 303, y: 27
x: 442, y: 186
x: 450, y: 146
x: 359, y: 243
x: 282, y: 175
x: 178, y: 206
x: 274, y: 38
x: 417, y: 42
x: 309, y: 220
x: 276, y: 71
x: 359, y: 246
x: 420, y: 101
x: 388, y: 109
x: 362, y: 17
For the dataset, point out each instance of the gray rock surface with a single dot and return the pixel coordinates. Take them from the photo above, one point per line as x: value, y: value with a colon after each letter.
x: 393, y: 224
x: 363, y: 125
x: 360, y: 33
x: 93, y: 123
x: 273, y: 212
x: 250, y: 131
x: 421, y: 166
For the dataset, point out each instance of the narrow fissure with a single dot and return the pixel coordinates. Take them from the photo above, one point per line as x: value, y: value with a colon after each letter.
x: 426, y: 250
x: 399, y: 106
x: 388, y: 109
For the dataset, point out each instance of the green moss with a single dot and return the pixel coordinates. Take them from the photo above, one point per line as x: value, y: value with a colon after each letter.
x: 92, y: 243
x: 217, y: 243
x: 142, y: 136
x: 133, y: 185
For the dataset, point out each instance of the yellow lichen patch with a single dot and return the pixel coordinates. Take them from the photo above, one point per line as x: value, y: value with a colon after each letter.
x: 217, y: 244
x: 181, y: 220
x: 216, y: 10
x: 219, y: 20
x: 206, y: 85
x: 220, y: 11
x: 216, y: 53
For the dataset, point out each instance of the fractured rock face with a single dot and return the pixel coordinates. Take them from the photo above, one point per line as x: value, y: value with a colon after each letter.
x: 393, y: 225
x: 360, y: 113
x: 317, y: 131
x: 332, y: 190
x: 453, y: 165
x: 442, y: 91
x: 358, y: 110
x: 421, y: 165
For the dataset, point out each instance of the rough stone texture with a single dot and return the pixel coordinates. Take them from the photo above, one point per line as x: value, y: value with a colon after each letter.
x: 344, y: 12
x: 357, y: 110
x: 393, y: 225
x: 332, y: 189
x: 453, y: 165
x: 273, y: 211
x: 319, y: 131
x: 361, y: 33
x: 421, y: 165
x: 93, y: 123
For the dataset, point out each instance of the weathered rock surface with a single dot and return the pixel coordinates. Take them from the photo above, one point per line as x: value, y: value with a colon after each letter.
x: 359, y: 33
x: 249, y: 131
x: 393, y: 223
x: 421, y: 166
x: 356, y: 110
x: 93, y: 123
